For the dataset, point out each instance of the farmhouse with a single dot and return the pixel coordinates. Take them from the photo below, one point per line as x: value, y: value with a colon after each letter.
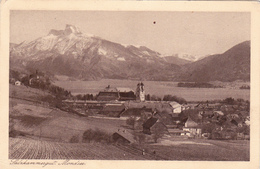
x: 192, y: 127
x: 123, y: 136
x: 176, y: 107
x: 152, y: 124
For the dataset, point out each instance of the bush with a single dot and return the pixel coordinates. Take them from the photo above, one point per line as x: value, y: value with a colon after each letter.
x: 229, y: 100
x: 139, y: 137
x: 13, y: 133
x: 158, y: 132
x: 74, y: 139
x: 96, y: 136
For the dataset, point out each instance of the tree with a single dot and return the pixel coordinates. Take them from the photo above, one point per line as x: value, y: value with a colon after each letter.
x: 208, y: 128
x: 79, y: 97
x: 91, y: 97
x: 229, y: 100
x: 131, y: 121
x: 158, y: 132
x: 155, y: 98
x: 25, y: 80
x: 96, y: 135
x: 139, y: 137
x: 148, y: 97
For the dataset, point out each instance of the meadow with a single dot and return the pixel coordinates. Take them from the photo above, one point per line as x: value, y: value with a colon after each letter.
x: 160, y: 88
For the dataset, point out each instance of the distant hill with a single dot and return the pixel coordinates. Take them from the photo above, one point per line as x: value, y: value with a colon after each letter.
x: 232, y: 65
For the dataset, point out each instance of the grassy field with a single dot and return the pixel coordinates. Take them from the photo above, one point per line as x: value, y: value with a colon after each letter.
x: 159, y: 89
x: 26, y: 92
x: 43, y: 122
x: 204, y: 150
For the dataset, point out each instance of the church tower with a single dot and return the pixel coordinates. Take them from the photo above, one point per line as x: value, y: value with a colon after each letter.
x: 140, y: 94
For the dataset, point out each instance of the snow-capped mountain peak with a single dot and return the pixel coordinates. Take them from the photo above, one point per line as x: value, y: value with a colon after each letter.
x: 70, y: 51
x: 72, y: 29
x: 69, y: 29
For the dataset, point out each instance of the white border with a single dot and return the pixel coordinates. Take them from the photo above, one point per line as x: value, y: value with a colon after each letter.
x: 252, y: 7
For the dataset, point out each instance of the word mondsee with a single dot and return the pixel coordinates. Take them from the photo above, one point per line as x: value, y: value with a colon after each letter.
x: 28, y: 162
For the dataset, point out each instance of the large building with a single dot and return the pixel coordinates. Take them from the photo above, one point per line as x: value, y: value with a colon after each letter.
x: 116, y: 94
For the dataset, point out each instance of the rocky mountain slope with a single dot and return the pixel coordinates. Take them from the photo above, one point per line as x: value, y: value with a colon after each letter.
x: 72, y: 53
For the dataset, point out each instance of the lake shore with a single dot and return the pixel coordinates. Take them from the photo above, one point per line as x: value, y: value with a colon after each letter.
x: 160, y: 88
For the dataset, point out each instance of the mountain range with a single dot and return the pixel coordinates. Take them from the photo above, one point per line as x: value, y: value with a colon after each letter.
x: 87, y: 57
x: 234, y: 64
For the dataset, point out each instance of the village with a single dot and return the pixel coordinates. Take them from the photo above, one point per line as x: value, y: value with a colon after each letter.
x: 228, y: 119
x: 127, y: 118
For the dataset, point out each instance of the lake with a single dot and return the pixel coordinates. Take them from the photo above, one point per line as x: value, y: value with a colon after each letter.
x: 157, y: 88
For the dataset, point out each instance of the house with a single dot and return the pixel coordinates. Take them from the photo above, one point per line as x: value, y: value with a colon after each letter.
x: 176, y: 107
x: 164, y: 117
x: 247, y: 120
x: 240, y: 136
x: 178, y: 132
x: 112, y: 110
x: 192, y: 127
x: 17, y: 83
x: 227, y: 109
x: 237, y: 121
x: 152, y: 125
x: 218, y: 113
x: 206, y: 113
x: 137, y: 112
x: 148, y: 124
x: 242, y: 114
x: 123, y: 136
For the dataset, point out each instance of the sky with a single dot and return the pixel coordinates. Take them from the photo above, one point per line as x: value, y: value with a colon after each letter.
x: 194, y: 33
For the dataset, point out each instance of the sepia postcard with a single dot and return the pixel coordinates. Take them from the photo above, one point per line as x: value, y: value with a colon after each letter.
x: 129, y: 84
